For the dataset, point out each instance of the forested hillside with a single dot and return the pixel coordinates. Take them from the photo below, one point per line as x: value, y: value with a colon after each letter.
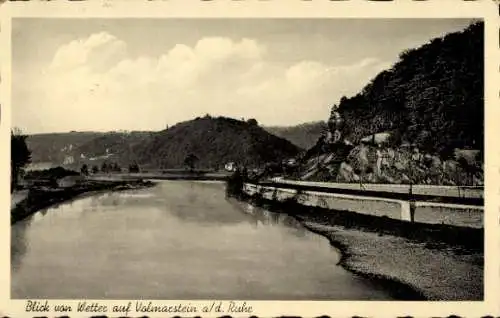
x: 121, y: 145
x: 214, y: 141
x: 54, y: 147
x: 432, y: 97
x: 421, y: 121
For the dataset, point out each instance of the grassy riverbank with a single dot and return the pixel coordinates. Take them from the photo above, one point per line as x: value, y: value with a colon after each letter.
x: 39, y: 198
x: 416, y: 261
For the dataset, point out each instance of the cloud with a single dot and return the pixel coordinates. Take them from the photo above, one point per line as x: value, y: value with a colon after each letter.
x: 97, y: 51
x: 100, y: 86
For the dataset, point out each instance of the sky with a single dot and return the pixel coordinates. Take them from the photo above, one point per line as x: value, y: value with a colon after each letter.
x: 145, y: 74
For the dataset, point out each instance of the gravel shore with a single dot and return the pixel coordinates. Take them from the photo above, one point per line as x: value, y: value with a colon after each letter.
x: 438, y: 273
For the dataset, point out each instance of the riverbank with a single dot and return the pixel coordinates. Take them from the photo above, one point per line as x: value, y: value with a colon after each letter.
x: 165, y: 175
x: 38, y: 198
x: 435, y: 272
x: 418, y: 262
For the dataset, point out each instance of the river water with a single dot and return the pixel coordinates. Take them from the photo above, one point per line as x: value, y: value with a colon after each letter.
x: 178, y: 240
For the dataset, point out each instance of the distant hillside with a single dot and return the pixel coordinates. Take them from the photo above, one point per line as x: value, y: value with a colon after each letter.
x: 215, y: 141
x: 75, y: 148
x: 303, y: 135
x: 119, y: 145
x: 54, y: 147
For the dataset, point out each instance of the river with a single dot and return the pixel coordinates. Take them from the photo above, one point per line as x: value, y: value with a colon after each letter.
x: 178, y: 240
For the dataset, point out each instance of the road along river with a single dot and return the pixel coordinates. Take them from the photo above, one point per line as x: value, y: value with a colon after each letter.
x: 178, y: 240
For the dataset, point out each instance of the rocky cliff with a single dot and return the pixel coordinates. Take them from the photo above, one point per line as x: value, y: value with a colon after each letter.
x: 385, y: 164
x: 421, y: 121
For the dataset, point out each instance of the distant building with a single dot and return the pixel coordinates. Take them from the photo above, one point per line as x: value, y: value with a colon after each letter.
x: 68, y: 160
x: 230, y: 166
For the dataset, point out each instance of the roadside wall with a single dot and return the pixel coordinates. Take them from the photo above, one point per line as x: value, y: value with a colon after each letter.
x: 425, y: 212
x: 437, y: 190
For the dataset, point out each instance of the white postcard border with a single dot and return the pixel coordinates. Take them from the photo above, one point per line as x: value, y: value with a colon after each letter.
x: 486, y: 9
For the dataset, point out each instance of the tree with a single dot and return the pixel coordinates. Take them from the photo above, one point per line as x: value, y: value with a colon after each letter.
x: 104, y: 167
x: 95, y: 169
x: 20, y: 156
x: 133, y: 168
x: 468, y: 169
x: 252, y: 122
x: 116, y: 167
x: 190, y: 161
x: 84, y: 170
x: 113, y: 167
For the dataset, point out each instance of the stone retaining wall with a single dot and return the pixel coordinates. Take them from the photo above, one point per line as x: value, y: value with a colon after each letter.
x: 425, y: 212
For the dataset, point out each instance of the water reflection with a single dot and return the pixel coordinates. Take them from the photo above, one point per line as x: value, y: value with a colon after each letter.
x: 264, y: 217
x: 19, y: 244
x: 179, y: 240
x: 192, y: 195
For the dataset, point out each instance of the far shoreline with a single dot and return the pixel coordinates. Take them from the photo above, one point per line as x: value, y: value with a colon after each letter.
x: 40, y: 199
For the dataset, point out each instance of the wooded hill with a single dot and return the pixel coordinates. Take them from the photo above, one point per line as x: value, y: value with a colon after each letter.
x: 432, y: 97
x: 215, y: 141
x: 421, y: 121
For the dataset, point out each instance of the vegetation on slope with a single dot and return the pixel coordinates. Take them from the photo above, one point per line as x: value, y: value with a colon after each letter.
x: 421, y: 121
x: 54, y: 147
x: 91, y: 148
x: 120, y: 144
x: 432, y: 97
x: 215, y: 142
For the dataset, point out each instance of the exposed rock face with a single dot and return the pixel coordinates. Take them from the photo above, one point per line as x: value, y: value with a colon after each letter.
x: 379, y: 164
x: 379, y: 139
x: 346, y: 173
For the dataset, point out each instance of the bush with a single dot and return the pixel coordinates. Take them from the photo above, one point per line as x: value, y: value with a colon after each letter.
x: 52, y: 173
